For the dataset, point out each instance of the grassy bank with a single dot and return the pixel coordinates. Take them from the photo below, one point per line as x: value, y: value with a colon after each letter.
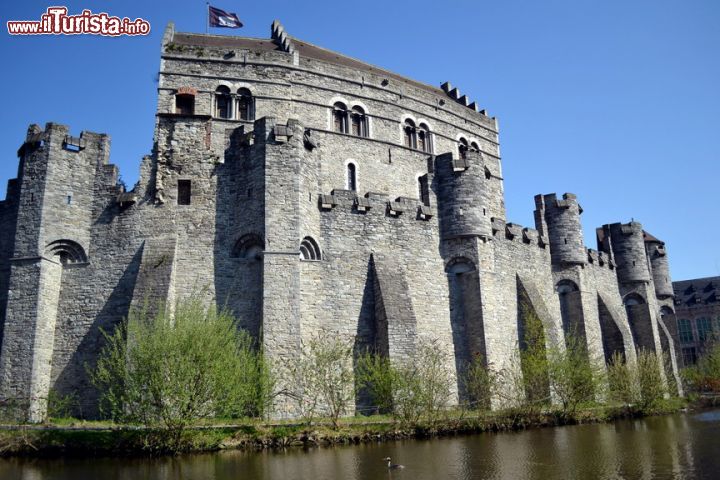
x: 78, y: 438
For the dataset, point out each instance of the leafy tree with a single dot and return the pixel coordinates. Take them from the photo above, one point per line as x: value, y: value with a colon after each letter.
x: 168, y: 370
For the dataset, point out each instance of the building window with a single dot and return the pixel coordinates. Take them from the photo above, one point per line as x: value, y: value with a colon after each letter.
x: 474, y: 147
x: 340, y: 117
x: 309, y: 249
x: 704, y: 329
x: 184, y: 192
x: 246, y: 104
x: 685, y: 331
x: 223, y: 102
x: 359, y: 122
x: 410, y: 134
x: 424, y: 138
x: 185, y: 104
x: 351, y: 177
x: 689, y: 355
x: 462, y: 147
x: 633, y: 299
x: 424, y: 190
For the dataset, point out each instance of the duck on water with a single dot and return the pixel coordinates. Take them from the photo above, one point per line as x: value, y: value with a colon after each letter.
x: 393, y: 466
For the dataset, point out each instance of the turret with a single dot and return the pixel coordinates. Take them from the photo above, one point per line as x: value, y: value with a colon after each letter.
x: 559, y: 220
x: 660, y: 266
x: 625, y: 242
x: 462, y: 195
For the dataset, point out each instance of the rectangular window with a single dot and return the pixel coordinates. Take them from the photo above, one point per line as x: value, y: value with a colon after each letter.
x: 704, y: 329
x: 685, y: 331
x: 184, y: 192
x: 184, y: 104
x: 689, y: 355
x: 424, y: 190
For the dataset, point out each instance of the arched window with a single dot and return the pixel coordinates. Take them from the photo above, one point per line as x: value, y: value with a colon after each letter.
x: 340, y: 117
x: 351, y: 183
x: 309, y: 249
x: 249, y: 247
x: 633, y: 299
x: 223, y: 102
x: 68, y: 252
x: 358, y: 119
x: 566, y: 286
x: 410, y: 134
x: 474, y: 147
x: 463, y: 147
x: 246, y: 104
x: 459, y: 265
x: 424, y: 140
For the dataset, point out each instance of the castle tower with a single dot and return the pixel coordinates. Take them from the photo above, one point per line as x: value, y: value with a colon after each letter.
x: 660, y: 266
x: 628, y: 250
x: 281, y: 146
x: 57, y: 180
x: 462, y: 196
x: 560, y: 221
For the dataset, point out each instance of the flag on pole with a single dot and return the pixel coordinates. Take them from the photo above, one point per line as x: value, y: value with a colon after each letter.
x: 220, y: 18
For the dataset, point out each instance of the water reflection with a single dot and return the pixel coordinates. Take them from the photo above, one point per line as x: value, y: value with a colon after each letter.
x: 672, y: 447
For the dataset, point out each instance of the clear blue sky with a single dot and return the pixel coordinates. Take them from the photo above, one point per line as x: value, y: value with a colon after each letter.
x: 617, y: 101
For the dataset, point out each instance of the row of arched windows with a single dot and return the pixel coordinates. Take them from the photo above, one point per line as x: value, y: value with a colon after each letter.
x: 251, y: 247
x: 354, y: 121
x: 239, y: 106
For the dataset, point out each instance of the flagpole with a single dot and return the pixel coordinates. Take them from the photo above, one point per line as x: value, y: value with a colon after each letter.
x: 207, y: 20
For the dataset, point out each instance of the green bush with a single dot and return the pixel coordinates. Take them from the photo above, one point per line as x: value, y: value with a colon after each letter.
x: 622, y: 382
x: 574, y: 378
x: 411, y: 390
x: 651, y: 384
x: 640, y: 383
x: 169, y: 370
x: 321, y: 379
x: 704, y: 377
x: 479, y: 383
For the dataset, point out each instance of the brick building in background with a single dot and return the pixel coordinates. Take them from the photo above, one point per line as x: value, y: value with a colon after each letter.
x: 697, y: 312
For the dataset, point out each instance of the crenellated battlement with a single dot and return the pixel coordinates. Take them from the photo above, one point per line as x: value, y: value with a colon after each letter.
x: 376, y: 204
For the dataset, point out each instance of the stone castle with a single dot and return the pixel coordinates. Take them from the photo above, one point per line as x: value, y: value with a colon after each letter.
x: 305, y: 190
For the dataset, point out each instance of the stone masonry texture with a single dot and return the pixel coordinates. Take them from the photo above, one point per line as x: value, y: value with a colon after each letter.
x: 416, y: 248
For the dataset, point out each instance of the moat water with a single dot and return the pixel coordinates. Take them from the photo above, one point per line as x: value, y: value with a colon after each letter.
x: 683, y: 446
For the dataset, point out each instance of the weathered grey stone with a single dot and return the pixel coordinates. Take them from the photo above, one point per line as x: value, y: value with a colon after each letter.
x: 223, y: 206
